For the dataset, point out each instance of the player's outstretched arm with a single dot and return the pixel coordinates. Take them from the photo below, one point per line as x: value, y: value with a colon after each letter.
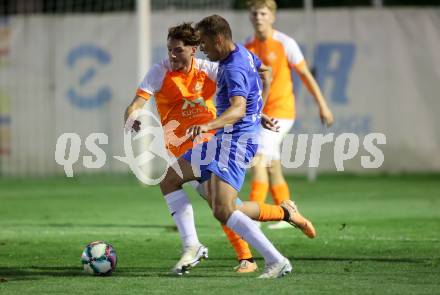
x: 235, y: 112
x: 132, y: 124
x: 313, y: 87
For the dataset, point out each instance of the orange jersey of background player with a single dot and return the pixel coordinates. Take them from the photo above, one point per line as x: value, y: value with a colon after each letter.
x: 184, y: 97
x: 281, y: 53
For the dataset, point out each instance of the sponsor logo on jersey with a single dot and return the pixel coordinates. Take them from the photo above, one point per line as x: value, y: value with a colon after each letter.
x: 192, y: 108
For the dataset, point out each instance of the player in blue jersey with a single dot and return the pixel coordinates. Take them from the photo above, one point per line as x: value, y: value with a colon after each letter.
x: 221, y: 162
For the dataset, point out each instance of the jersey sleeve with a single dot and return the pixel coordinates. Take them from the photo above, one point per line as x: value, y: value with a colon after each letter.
x: 209, y: 67
x: 152, y: 81
x: 292, y: 50
x: 236, y: 82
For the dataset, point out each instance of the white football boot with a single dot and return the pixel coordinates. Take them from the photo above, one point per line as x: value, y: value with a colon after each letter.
x: 191, y: 257
x: 276, y: 270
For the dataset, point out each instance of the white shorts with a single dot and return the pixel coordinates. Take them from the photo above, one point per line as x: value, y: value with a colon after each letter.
x: 270, y: 141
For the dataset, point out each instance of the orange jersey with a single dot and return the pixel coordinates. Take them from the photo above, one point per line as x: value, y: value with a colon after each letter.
x: 282, y: 53
x: 183, y: 97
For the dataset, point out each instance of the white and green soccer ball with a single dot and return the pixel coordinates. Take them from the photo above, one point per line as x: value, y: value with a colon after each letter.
x: 99, y: 258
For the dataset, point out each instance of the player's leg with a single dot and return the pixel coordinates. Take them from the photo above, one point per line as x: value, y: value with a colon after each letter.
x: 279, y: 189
x: 224, y: 209
x: 262, y: 212
x: 281, y: 196
x: 182, y: 213
x: 269, y: 147
x: 246, y: 262
x: 260, y: 179
x: 245, y: 258
x: 173, y: 181
x: 278, y: 185
x: 287, y: 212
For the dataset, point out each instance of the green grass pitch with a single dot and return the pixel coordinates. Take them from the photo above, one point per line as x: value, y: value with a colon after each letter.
x: 376, y: 235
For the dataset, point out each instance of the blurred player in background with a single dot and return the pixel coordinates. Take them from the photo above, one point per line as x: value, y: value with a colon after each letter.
x: 281, y: 53
x: 184, y: 87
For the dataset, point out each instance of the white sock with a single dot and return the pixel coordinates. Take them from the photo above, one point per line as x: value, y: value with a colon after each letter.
x: 182, y: 212
x: 251, y: 233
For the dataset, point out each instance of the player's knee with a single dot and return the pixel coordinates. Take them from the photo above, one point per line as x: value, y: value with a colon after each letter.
x: 259, y: 166
x: 218, y: 214
x: 274, y: 168
x: 271, y: 170
x: 222, y: 213
x: 170, y: 183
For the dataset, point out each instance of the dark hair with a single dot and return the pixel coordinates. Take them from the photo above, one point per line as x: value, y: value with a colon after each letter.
x: 215, y: 25
x: 185, y: 33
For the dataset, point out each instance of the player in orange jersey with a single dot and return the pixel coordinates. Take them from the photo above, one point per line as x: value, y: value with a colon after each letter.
x: 281, y: 53
x: 183, y: 87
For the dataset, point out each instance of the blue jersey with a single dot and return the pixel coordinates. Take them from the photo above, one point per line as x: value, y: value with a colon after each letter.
x: 229, y: 153
x: 238, y: 76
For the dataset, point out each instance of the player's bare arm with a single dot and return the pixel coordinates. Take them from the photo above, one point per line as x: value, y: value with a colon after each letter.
x: 137, y: 103
x: 313, y: 87
x: 265, y: 73
x: 235, y: 112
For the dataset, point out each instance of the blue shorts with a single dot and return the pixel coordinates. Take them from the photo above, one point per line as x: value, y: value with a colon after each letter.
x: 226, y: 158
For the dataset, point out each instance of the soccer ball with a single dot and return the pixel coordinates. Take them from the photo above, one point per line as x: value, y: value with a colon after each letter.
x: 99, y: 258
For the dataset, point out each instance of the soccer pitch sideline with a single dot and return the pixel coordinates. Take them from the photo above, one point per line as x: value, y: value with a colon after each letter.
x: 376, y: 235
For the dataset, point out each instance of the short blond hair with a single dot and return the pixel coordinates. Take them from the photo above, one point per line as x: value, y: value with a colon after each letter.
x: 270, y: 4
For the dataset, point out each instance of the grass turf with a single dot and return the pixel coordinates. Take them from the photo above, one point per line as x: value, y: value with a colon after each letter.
x: 377, y: 235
